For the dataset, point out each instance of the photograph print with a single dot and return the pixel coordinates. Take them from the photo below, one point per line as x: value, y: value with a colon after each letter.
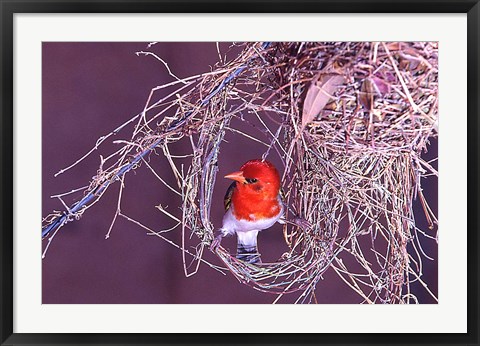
x: 240, y: 172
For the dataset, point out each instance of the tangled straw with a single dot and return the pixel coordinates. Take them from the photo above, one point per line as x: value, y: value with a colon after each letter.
x: 349, y: 121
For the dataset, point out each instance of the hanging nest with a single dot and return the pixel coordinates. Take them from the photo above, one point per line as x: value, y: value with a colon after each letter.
x: 348, y: 120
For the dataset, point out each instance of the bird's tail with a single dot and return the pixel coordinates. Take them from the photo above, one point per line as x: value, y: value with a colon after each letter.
x: 247, y: 247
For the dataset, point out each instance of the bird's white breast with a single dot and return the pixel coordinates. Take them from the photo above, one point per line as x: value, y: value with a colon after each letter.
x: 232, y: 225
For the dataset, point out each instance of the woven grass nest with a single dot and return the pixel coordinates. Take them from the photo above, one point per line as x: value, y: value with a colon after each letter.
x: 349, y: 121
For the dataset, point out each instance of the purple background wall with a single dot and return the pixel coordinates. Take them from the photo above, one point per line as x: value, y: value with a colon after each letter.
x: 88, y: 90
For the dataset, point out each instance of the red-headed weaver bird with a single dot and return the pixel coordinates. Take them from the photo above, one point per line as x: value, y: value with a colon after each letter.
x: 252, y: 203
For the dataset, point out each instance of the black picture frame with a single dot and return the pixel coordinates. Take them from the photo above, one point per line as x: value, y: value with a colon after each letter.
x: 10, y: 7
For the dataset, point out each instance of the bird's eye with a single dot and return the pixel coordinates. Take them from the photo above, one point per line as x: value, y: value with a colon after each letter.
x: 251, y: 180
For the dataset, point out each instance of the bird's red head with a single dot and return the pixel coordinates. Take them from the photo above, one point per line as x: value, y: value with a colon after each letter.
x: 257, y: 177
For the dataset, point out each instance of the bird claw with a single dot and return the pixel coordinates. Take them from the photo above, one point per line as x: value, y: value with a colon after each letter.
x: 216, y: 242
x: 250, y: 258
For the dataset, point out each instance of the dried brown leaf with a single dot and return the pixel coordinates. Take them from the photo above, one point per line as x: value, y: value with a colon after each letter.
x: 371, y: 87
x: 321, y: 90
x: 393, y: 46
x: 381, y: 87
x: 366, y: 94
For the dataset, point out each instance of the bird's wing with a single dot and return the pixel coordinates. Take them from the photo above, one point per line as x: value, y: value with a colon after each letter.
x: 227, y: 200
x: 282, y: 195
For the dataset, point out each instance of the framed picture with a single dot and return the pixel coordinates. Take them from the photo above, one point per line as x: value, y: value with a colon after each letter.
x: 189, y: 180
